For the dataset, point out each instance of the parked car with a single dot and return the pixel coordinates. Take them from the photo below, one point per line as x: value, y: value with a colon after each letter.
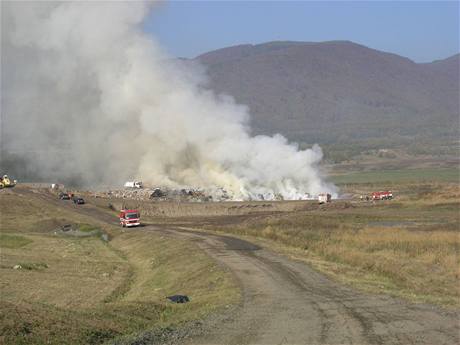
x: 64, y: 196
x: 79, y: 201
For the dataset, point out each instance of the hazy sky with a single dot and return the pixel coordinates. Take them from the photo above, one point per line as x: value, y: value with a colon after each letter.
x: 420, y: 30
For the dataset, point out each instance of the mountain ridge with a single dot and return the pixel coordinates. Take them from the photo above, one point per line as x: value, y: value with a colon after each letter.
x: 312, y: 43
x: 337, y: 91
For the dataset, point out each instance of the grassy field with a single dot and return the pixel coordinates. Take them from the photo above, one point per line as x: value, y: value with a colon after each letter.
x: 60, y: 289
x: 399, y: 176
x: 408, y: 247
x: 13, y: 241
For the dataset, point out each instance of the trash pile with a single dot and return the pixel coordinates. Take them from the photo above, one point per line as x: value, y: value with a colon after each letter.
x: 136, y: 190
x: 189, y: 194
x: 168, y: 194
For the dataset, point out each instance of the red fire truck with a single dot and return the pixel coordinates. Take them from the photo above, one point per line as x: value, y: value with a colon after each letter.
x: 387, y: 195
x: 130, y: 218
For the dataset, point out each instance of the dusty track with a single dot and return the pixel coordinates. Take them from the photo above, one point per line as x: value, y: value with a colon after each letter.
x: 286, y: 302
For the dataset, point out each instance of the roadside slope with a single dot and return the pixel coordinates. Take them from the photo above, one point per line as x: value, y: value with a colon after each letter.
x: 61, y: 288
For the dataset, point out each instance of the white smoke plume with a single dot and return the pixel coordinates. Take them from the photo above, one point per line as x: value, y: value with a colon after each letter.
x: 88, y: 96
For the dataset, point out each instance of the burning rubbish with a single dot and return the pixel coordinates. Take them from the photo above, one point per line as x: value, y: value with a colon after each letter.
x: 190, y: 194
x: 141, y: 112
x: 165, y: 194
x: 157, y: 193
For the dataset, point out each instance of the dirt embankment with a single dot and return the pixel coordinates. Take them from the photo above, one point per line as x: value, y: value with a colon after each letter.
x: 204, y: 209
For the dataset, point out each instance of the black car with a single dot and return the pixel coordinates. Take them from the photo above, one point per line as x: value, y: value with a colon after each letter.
x: 64, y: 196
x: 78, y: 201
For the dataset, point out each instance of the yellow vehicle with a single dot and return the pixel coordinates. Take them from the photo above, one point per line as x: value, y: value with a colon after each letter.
x: 6, y: 182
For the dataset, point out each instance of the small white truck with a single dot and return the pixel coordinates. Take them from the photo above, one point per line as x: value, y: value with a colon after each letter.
x: 324, y: 198
x: 133, y: 184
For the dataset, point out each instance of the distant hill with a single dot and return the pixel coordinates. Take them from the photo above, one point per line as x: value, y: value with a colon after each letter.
x: 339, y: 92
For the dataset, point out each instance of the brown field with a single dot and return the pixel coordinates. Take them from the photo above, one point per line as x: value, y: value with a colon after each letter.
x: 83, y: 290
x: 86, y: 290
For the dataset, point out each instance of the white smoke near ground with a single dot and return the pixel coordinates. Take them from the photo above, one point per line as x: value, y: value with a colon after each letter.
x: 88, y: 96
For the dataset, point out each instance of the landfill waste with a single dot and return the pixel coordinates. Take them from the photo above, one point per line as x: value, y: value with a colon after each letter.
x: 157, y: 193
x: 167, y: 194
x: 188, y: 194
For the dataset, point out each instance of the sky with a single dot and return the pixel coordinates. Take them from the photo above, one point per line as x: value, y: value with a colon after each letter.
x: 420, y: 30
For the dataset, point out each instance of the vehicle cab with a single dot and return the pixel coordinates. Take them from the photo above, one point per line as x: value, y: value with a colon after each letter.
x: 130, y: 218
x: 387, y: 195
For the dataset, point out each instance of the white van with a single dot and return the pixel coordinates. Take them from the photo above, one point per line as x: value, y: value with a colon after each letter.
x: 133, y: 184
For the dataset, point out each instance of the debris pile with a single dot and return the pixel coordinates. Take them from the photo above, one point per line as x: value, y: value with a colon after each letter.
x: 168, y: 194
x: 189, y: 194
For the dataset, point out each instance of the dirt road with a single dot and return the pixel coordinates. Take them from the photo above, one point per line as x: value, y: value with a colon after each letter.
x: 286, y: 302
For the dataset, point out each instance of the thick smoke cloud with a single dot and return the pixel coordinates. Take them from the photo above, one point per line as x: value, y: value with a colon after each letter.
x: 88, y: 97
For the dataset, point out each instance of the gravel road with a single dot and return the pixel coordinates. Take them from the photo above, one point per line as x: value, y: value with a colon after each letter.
x: 286, y: 302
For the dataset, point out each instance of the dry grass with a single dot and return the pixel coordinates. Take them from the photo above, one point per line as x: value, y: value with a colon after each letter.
x: 421, y: 263
x: 79, y: 273
x: 87, y: 291
x: 408, y: 247
x: 13, y: 241
x: 26, y: 213
x: 164, y: 266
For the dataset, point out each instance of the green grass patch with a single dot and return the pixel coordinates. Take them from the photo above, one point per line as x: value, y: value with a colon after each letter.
x: 13, y: 241
x: 87, y: 228
x: 33, y: 266
x: 399, y: 176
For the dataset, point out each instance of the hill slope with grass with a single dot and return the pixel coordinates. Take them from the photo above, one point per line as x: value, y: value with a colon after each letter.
x: 62, y: 289
x: 340, y: 92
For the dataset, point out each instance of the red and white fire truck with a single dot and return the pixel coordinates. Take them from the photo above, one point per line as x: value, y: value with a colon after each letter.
x: 387, y: 195
x: 130, y: 218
